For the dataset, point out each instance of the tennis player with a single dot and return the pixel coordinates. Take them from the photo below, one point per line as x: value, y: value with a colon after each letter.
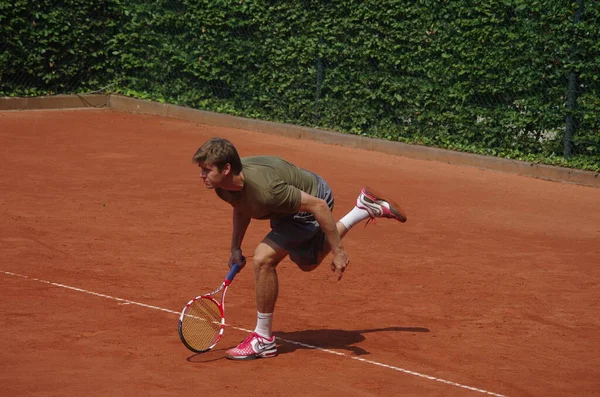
x: 299, y: 205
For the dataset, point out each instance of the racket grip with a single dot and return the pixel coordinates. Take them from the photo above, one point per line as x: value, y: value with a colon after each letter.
x: 235, y: 268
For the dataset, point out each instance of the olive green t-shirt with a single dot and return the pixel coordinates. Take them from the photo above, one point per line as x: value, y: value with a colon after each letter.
x: 272, y: 187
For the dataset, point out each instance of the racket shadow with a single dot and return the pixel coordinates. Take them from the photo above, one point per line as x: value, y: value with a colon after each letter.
x: 332, y: 339
x: 208, y: 357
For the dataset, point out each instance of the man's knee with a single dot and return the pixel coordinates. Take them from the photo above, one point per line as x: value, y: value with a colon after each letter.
x: 267, y: 256
x: 305, y: 264
x: 308, y: 268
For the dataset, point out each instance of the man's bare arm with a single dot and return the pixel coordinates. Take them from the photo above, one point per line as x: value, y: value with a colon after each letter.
x: 320, y: 210
x: 240, y: 225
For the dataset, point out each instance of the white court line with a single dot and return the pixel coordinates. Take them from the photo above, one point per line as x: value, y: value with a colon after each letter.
x: 127, y: 301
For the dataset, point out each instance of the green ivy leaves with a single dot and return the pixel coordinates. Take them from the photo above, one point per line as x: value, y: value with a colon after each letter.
x: 488, y: 78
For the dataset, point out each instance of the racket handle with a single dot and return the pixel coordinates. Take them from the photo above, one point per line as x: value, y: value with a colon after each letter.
x: 235, y: 268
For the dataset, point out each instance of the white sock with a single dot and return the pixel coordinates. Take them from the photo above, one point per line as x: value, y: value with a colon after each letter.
x: 353, y: 217
x: 264, y: 324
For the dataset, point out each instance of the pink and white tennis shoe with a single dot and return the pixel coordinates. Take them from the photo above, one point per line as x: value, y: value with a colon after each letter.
x: 378, y: 207
x: 254, y: 346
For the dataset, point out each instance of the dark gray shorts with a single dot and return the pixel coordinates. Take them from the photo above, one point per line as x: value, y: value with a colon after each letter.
x: 300, y: 233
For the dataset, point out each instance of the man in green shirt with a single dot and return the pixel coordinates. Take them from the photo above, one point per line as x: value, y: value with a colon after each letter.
x: 299, y: 205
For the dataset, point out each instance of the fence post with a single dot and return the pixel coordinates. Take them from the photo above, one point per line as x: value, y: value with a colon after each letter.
x: 571, y: 95
x: 319, y: 83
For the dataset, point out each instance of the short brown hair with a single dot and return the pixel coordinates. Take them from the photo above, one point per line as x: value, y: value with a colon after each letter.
x: 219, y: 152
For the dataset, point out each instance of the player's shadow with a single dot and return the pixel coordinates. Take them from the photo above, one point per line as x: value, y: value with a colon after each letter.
x: 332, y: 339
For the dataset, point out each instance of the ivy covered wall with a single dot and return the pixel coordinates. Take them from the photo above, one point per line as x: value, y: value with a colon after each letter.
x: 489, y: 78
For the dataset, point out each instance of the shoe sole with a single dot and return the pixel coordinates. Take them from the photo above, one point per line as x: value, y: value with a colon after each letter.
x: 252, y: 357
x: 394, y: 207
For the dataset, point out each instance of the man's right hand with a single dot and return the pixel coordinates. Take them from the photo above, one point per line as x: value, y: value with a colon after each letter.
x: 237, y: 257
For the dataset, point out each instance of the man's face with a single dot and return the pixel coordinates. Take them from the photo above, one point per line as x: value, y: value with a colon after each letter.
x: 211, y: 176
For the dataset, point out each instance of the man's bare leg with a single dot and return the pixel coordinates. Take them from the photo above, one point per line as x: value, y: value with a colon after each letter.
x: 261, y: 343
x: 342, y: 230
x: 266, y: 258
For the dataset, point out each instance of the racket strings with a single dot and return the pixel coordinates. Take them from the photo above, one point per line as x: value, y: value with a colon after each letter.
x: 201, y: 324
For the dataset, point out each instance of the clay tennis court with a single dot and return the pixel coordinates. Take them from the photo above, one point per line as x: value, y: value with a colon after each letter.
x: 491, y: 287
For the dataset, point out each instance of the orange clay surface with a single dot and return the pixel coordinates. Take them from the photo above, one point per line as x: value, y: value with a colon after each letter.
x: 492, y: 286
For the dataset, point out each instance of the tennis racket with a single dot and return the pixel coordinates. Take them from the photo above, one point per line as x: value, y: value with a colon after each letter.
x: 202, y: 320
